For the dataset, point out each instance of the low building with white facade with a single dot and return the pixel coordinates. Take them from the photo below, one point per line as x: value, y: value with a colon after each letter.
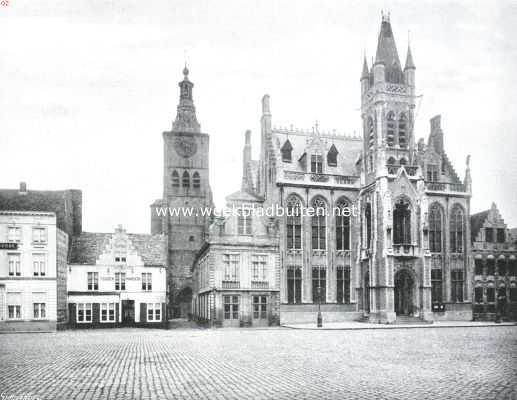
x: 32, y: 257
x: 117, y: 279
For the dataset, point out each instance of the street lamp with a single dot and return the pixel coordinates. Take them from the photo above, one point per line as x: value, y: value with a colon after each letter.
x: 320, y: 318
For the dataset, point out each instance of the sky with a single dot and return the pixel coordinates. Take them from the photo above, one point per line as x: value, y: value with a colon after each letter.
x: 87, y: 88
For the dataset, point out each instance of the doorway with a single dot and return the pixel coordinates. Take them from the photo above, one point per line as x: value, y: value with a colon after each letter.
x: 128, y: 312
x: 404, y: 287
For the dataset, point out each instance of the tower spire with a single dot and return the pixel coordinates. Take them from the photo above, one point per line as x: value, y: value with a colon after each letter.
x: 186, y: 120
x: 387, y: 52
x: 409, y: 59
x: 365, y: 73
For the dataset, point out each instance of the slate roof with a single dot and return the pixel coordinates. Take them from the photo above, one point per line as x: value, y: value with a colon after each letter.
x: 387, y: 54
x: 88, y: 246
x: 244, y: 197
x: 349, y: 148
x: 476, y: 222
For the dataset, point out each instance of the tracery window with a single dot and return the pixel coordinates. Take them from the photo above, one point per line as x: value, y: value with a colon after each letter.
x: 294, y: 223
x: 402, y: 223
x: 435, y: 229
x: 390, y: 126
x: 319, y: 228
x: 457, y: 229
x: 342, y: 226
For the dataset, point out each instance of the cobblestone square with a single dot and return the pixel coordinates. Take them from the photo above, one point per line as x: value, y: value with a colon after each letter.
x: 452, y: 363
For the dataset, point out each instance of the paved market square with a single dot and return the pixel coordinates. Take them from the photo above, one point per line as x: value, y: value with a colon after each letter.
x: 431, y: 363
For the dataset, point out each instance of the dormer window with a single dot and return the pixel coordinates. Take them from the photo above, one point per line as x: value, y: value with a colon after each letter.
x: 316, y: 163
x: 489, y: 235
x: 332, y: 156
x: 432, y: 173
x: 287, y: 150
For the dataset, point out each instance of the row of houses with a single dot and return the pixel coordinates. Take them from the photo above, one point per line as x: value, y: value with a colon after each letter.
x: 55, y: 276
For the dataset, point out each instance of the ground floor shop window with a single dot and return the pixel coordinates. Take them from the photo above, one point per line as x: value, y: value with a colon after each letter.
x: 84, y: 312
x: 39, y: 311
x: 343, y: 285
x: 108, y: 312
x: 260, y: 307
x: 14, y: 311
x: 319, y: 282
x: 154, y: 313
x: 436, y: 285
x: 231, y: 307
x: 294, y: 285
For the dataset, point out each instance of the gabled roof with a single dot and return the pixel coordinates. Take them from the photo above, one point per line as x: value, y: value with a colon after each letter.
x: 243, y: 196
x: 88, y: 246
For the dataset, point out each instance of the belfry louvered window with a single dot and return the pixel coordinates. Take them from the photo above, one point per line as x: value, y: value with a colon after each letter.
x: 402, y: 131
x: 390, y: 129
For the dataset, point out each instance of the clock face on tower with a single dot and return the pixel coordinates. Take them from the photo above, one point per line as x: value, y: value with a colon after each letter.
x: 185, y: 146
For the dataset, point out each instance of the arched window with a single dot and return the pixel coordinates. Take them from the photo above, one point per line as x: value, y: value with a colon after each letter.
x: 456, y: 229
x: 390, y: 126
x: 287, y: 150
x: 342, y: 225
x: 332, y: 156
x: 435, y: 229
x: 368, y: 223
x: 403, y: 161
x: 402, y: 223
x: 185, y: 180
x: 294, y: 223
x: 196, y: 180
x: 319, y: 228
x: 175, y: 179
x: 392, y: 161
x: 402, y: 131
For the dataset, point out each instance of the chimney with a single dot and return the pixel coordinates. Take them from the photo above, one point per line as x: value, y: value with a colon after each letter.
x: 246, y: 158
x: 23, y: 188
x: 436, y: 136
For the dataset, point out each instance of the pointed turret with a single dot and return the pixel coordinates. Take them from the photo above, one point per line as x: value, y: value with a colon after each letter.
x: 186, y: 120
x: 387, y: 53
x: 365, y: 74
x: 409, y: 59
x: 468, y: 178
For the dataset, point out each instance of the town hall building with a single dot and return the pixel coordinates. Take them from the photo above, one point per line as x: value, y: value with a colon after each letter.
x: 406, y: 253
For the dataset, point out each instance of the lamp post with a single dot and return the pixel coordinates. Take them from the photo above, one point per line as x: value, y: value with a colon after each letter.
x: 320, y: 318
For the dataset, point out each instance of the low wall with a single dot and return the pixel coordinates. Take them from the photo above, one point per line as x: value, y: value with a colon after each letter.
x: 306, y: 313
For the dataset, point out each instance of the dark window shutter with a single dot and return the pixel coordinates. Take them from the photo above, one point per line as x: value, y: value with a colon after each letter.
x: 71, y: 313
x: 96, y: 313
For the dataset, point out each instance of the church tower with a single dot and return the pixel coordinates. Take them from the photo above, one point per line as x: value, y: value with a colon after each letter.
x: 393, y: 192
x: 186, y: 190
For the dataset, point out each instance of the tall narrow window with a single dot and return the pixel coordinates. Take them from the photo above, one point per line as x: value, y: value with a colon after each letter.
x: 259, y: 307
x: 342, y: 226
x: 175, y: 179
x: 478, y: 295
x: 371, y: 134
x: 294, y: 224
x: 39, y: 235
x: 478, y: 266
x: 457, y: 285
x: 368, y: 223
x: 501, y: 235
x: 231, y: 267
x: 432, y: 173
x: 490, y: 265
x: 147, y: 281
x: 231, y: 307
x: 332, y: 156
x: 14, y: 234
x: 390, y: 129
x: 244, y: 222
x: 456, y: 229
x: 93, y: 281
x: 185, y: 180
x: 402, y: 223
x: 294, y: 284
x: 120, y: 281
x: 489, y: 235
x: 501, y: 266
x: 435, y: 229
x: 258, y: 268
x: 343, y: 284
x: 287, y: 150
x: 436, y: 285
x: 402, y: 131
x: 316, y: 163
x: 319, y: 281
x: 319, y: 228
x: 196, y: 180
x: 14, y: 264
x: 39, y: 264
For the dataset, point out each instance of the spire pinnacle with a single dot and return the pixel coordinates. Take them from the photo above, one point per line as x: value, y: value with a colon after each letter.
x: 186, y: 120
x: 409, y: 59
x: 365, y: 73
x: 387, y: 52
